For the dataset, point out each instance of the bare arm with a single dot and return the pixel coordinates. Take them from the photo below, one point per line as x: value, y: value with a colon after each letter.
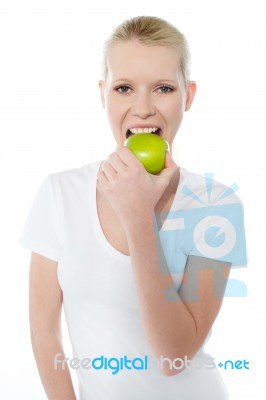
x: 176, y: 324
x: 45, y: 305
x: 175, y: 328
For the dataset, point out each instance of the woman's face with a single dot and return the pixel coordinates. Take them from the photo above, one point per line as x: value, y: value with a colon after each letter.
x: 144, y: 89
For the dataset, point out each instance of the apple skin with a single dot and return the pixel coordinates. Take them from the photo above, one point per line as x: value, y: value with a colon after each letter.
x: 149, y: 149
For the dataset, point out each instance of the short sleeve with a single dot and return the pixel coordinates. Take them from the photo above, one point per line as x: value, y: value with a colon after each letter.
x: 212, y: 231
x: 220, y: 234
x: 40, y: 233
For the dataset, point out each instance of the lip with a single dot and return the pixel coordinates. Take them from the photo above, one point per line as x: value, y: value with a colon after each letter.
x: 143, y: 126
x: 151, y: 125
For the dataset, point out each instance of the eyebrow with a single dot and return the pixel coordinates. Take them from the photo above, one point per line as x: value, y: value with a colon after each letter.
x: 122, y: 79
x: 157, y: 81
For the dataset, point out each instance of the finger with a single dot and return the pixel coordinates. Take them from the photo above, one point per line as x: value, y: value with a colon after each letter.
x: 170, y: 166
x: 108, y: 170
x: 169, y: 162
x: 102, y: 179
x: 128, y: 157
x: 116, y: 162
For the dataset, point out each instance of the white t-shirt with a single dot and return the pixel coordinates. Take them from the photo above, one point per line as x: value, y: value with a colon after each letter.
x: 99, y: 294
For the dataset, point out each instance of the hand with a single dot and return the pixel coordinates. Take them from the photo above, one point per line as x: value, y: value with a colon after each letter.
x: 130, y: 189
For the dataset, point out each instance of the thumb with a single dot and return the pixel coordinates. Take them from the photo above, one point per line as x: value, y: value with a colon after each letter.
x: 169, y: 166
x: 169, y: 162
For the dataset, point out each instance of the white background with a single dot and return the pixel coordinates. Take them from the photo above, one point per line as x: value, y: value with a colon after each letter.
x: 51, y: 119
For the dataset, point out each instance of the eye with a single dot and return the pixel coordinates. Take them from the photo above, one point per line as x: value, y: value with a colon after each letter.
x: 165, y: 89
x: 122, y: 89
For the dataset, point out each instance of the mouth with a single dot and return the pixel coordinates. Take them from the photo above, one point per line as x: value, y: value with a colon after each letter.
x: 137, y: 131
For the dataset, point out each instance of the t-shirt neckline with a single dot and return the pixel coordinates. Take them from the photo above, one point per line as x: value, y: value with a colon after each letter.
x: 101, y: 236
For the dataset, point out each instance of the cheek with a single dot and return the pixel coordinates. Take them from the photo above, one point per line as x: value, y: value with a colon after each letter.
x: 112, y: 112
x: 174, y: 111
x: 116, y: 111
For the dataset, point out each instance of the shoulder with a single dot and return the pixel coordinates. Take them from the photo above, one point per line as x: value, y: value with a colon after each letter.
x: 75, y: 177
x: 196, y: 190
x: 212, y: 218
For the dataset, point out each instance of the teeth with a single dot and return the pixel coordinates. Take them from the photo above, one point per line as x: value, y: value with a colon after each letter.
x: 143, y: 130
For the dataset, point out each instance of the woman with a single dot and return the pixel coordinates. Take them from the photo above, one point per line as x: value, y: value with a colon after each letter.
x: 140, y: 291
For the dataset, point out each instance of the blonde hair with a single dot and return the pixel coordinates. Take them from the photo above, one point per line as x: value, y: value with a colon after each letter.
x: 150, y: 31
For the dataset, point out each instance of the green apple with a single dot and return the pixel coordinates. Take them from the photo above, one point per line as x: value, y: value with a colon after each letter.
x: 149, y: 149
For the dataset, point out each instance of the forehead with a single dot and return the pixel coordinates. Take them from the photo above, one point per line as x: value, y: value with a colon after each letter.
x: 133, y: 60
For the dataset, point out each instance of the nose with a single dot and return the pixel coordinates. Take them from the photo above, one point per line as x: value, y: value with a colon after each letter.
x: 143, y: 106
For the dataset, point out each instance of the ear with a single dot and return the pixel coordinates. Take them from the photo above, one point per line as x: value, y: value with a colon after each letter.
x: 101, y: 85
x: 191, y: 91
